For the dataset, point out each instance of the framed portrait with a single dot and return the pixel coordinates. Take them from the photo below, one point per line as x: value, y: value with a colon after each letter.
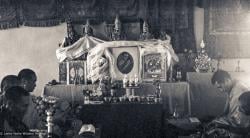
x: 73, y: 72
x: 154, y: 66
x: 126, y: 62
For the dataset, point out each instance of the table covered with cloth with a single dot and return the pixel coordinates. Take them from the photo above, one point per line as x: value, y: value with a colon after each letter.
x: 174, y: 95
x: 124, y: 120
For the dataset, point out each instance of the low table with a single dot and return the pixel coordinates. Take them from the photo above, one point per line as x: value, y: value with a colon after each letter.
x: 125, y: 120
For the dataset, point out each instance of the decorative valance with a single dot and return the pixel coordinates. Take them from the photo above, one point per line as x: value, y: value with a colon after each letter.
x: 40, y: 13
x: 159, y: 13
x: 172, y: 16
x: 8, y: 14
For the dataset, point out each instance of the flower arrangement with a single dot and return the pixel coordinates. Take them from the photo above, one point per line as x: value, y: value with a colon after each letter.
x: 64, y: 122
x: 202, y: 61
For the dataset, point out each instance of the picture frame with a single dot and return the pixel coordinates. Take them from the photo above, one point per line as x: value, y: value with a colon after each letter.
x: 154, y: 66
x: 126, y: 62
x: 63, y: 72
x: 73, y: 72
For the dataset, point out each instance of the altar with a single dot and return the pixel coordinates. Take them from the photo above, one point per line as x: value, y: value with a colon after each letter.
x: 124, y: 88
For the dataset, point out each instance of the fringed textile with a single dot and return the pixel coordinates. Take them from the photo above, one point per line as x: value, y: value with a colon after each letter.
x: 8, y: 14
x: 41, y: 13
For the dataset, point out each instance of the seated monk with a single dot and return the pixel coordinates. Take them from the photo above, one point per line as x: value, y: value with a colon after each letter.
x: 17, y: 101
x: 241, y: 116
x: 236, y: 108
x: 7, y: 82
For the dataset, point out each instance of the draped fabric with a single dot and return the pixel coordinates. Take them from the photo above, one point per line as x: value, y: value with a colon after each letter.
x: 102, y: 50
x: 78, y: 48
x: 8, y: 14
x: 80, y: 10
x: 41, y: 12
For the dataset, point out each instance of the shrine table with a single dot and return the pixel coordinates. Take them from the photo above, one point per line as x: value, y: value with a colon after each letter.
x: 175, y: 96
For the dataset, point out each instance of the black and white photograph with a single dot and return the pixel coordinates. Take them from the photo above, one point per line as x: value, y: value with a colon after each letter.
x: 124, y: 69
